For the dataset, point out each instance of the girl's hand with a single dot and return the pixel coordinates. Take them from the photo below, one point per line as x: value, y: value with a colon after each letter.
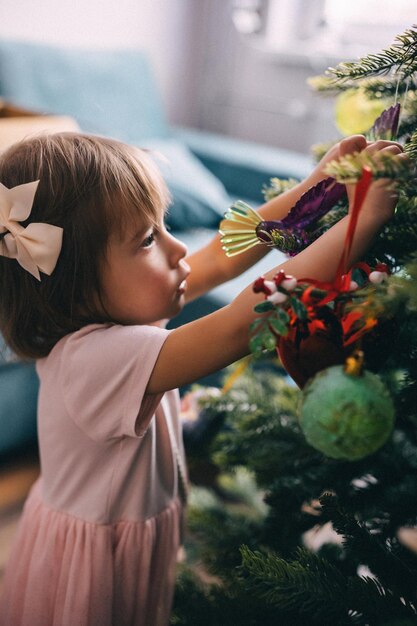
x: 381, y: 199
x: 348, y: 145
x: 354, y: 143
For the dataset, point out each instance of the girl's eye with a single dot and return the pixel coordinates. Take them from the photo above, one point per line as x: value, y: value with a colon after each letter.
x: 148, y: 241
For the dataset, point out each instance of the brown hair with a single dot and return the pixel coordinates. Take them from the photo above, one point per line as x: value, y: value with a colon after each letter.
x: 92, y: 187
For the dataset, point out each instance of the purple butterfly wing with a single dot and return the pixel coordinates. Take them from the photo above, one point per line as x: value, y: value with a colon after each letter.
x: 313, y: 204
x: 386, y: 125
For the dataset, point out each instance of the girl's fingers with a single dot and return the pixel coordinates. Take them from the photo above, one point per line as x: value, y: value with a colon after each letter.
x: 393, y: 150
x: 354, y: 143
x: 380, y: 145
x: 403, y: 156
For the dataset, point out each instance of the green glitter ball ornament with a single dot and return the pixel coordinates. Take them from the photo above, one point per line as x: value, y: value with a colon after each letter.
x: 346, y: 415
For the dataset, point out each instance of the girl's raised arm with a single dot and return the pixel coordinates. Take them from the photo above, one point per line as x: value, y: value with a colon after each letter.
x: 212, y: 342
x: 211, y: 267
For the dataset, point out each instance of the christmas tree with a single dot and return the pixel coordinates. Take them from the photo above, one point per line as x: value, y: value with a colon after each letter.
x: 311, y: 512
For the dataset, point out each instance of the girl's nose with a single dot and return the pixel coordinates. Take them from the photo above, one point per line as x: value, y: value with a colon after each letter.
x: 178, y: 250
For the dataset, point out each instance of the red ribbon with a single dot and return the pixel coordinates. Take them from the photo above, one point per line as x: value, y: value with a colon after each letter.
x: 342, y: 280
x: 312, y: 299
x: 351, y: 327
x: 343, y: 276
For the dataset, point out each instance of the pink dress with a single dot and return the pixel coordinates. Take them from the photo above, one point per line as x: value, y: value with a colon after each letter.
x: 100, y: 531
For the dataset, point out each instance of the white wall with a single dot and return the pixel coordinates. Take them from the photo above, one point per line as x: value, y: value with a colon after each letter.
x: 162, y: 27
x: 254, y: 94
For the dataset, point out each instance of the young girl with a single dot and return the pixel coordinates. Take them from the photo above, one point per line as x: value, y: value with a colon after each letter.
x: 87, y: 274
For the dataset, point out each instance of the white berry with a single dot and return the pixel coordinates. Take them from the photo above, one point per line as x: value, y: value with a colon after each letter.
x: 277, y: 298
x: 269, y: 284
x: 289, y: 283
x: 377, y: 277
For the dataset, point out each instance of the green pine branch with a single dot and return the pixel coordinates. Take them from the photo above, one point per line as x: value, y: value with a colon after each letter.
x: 400, y: 57
x: 410, y: 147
x: 220, y: 533
x: 348, y: 169
x: 318, y: 150
x: 278, y: 186
x: 222, y: 604
x: 397, y: 241
x: 293, y: 586
x: 383, y: 560
x: 385, y: 86
x: 407, y: 127
x: 315, y: 588
x: 375, y: 87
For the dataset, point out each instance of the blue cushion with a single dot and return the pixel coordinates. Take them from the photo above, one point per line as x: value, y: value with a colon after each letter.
x: 109, y: 92
x: 199, y: 198
x: 244, y: 167
x: 112, y: 93
x: 18, y: 401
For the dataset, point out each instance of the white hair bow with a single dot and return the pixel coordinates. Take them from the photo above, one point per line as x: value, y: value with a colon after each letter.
x: 35, y: 247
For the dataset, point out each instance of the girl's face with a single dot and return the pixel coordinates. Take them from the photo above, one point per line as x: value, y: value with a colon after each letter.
x: 144, y: 276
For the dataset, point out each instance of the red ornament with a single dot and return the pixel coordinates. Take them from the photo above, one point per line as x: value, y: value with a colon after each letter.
x: 328, y: 335
x: 312, y: 346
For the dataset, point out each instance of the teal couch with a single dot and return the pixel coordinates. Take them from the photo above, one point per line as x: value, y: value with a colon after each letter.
x: 113, y: 92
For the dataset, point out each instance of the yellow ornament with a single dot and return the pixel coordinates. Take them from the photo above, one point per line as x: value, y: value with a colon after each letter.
x: 356, y: 113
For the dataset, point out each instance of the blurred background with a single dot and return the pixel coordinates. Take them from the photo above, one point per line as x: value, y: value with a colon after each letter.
x: 237, y: 67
